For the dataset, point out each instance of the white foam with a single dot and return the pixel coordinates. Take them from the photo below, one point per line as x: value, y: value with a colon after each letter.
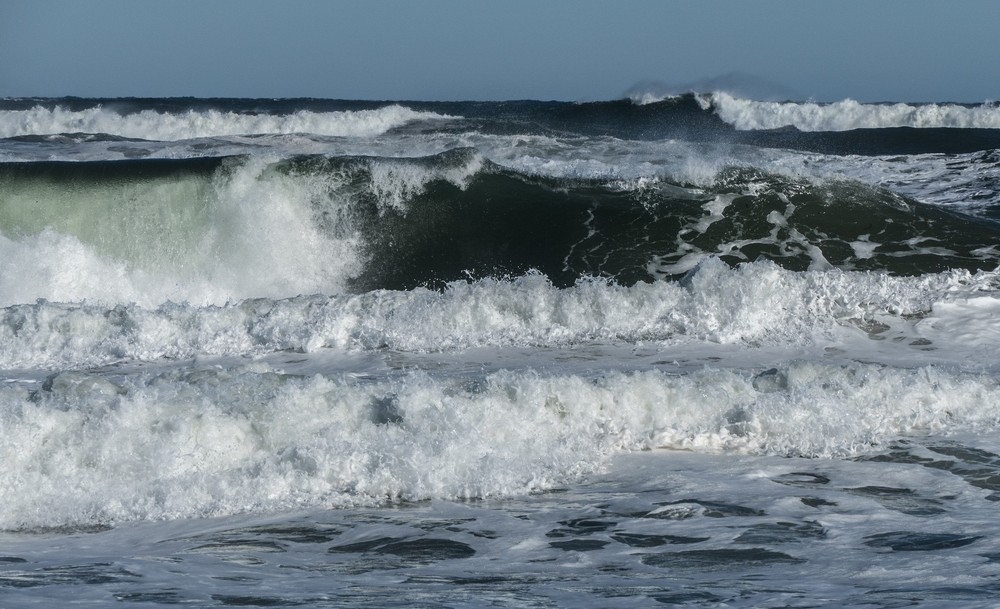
x: 163, y: 126
x: 754, y: 305
x: 395, y: 183
x: 972, y: 321
x: 864, y: 248
x: 253, y: 236
x: 823, y: 533
x: 848, y: 114
x: 208, y: 442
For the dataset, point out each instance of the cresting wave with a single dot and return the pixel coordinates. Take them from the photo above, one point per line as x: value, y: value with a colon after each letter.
x: 190, y: 124
x: 84, y: 450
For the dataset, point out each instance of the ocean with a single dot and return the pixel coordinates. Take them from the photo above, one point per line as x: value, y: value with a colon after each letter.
x: 695, y: 350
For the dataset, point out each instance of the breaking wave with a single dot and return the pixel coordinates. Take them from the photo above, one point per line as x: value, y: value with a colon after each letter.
x: 212, y: 230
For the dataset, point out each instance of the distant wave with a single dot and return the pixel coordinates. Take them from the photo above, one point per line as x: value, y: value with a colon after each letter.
x: 169, y: 126
x: 848, y: 114
x: 749, y: 115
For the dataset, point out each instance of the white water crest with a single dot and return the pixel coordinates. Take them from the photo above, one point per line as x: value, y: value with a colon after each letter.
x: 908, y: 320
x: 164, y: 126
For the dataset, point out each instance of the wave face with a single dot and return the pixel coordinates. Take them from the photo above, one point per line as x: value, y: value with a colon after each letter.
x: 200, y: 231
x: 506, y: 224
x: 219, y: 307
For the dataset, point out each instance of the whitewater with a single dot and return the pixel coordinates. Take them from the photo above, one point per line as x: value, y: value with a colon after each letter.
x: 686, y: 350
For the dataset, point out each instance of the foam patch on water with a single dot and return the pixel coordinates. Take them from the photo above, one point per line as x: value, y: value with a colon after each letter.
x: 962, y: 181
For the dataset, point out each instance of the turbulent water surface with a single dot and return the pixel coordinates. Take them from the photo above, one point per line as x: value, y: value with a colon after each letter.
x: 689, y: 350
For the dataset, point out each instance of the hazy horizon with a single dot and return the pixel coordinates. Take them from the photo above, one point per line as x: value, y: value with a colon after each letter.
x: 447, y: 50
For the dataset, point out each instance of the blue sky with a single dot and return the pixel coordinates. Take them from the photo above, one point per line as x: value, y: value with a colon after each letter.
x: 872, y: 50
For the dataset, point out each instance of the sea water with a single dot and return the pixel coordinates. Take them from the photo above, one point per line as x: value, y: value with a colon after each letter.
x: 690, y: 350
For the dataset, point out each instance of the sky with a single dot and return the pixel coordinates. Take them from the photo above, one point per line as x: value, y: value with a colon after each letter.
x: 572, y: 50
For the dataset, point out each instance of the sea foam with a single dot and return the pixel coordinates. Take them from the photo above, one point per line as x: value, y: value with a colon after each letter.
x: 754, y: 305
x: 207, y: 442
